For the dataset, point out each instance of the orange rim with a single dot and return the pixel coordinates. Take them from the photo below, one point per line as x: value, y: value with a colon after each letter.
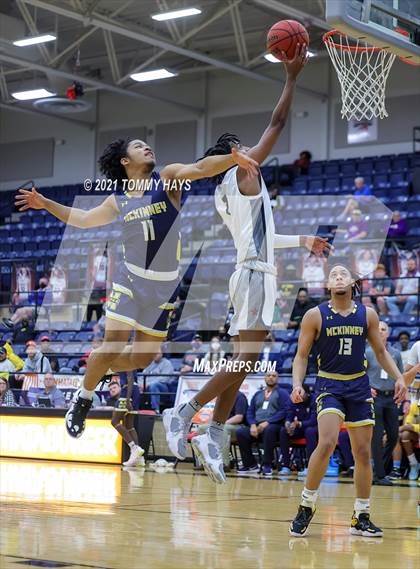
x: 327, y: 38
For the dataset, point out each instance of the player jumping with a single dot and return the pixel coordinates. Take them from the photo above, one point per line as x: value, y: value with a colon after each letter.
x: 244, y: 206
x: 144, y: 291
x: 339, y: 329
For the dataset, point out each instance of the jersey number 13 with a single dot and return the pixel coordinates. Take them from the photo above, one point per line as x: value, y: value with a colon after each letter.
x: 345, y: 346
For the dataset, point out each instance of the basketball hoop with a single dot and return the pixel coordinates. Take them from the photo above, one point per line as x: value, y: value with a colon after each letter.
x: 362, y: 71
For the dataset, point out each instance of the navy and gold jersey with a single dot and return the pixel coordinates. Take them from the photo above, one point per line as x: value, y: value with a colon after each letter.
x: 150, y: 232
x: 342, y: 342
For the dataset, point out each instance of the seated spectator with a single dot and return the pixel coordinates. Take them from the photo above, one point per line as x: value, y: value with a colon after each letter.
x: 47, y: 351
x: 52, y: 392
x: 398, y: 227
x: 161, y: 380
x: 270, y: 352
x: 378, y: 288
x: 14, y: 358
x: 302, y: 305
x: 406, y: 291
x: 361, y: 190
x: 313, y: 275
x: 300, y: 423
x: 265, y: 416
x: 403, y: 345
x: 409, y: 435
x: 303, y: 163
x: 214, y: 353
x: 36, y: 361
x: 6, y: 365
x: 196, y: 352
x: 357, y: 227
x: 114, y: 394
x: 6, y: 395
x: 237, y: 417
x: 34, y: 299
x: 365, y: 262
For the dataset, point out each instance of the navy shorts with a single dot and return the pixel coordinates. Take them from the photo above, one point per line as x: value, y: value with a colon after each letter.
x: 350, y: 399
x: 144, y: 304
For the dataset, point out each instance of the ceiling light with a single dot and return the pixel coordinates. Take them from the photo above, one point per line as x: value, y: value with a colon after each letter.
x: 32, y: 94
x: 36, y: 39
x: 176, y: 14
x: 152, y: 75
x: 269, y: 57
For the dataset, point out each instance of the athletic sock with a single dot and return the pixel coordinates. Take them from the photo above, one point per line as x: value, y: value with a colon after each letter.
x: 188, y: 410
x: 396, y: 464
x: 132, y: 445
x: 216, y: 432
x: 86, y: 393
x: 361, y: 506
x: 412, y: 459
x: 309, y: 498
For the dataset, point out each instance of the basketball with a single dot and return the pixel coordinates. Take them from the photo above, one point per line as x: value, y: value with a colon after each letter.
x: 284, y: 36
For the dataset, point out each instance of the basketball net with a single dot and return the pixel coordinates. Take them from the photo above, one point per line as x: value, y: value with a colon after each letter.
x: 362, y: 71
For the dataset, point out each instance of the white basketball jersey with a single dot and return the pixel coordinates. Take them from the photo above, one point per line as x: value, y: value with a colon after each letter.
x: 248, y: 218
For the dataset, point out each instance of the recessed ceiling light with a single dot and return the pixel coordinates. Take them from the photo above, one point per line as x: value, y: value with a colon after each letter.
x: 152, y: 75
x: 269, y: 57
x: 176, y: 14
x: 34, y: 40
x: 32, y: 94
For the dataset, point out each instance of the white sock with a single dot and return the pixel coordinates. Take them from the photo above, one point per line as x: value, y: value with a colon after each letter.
x: 309, y: 498
x: 361, y: 506
x: 412, y: 459
x: 132, y: 445
x: 86, y: 393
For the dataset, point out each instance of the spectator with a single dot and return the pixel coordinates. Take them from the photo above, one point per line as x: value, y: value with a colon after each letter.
x: 36, y: 298
x: 386, y: 410
x: 366, y: 263
x: 196, y: 352
x: 398, y: 227
x: 379, y: 287
x: 303, y: 163
x: 6, y: 395
x: 236, y: 419
x: 114, y: 394
x: 161, y: 381
x: 300, y: 423
x: 406, y: 290
x: 357, y: 227
x: 214, y: 353
x: 403, y: 346
x: 54, y: 394
x: 265, y: 416
x: 6, y: 365
x: 49, y: 353
x: 409, y: 434
x: 36, y: 361
x: 302, y: 305
x: 270, y: 352
x: 361, y: 191
x: 313, y: 275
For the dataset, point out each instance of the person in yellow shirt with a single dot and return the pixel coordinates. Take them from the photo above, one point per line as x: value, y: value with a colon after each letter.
x: 14, y: 358
x: 410, y: 433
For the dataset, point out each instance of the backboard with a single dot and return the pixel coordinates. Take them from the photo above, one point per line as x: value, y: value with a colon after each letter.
x: 389, y: 24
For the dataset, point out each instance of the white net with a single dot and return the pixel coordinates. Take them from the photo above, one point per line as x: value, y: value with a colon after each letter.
x: 362, y: 71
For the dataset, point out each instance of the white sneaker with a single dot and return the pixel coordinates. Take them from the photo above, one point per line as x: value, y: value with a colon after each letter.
x: 177, y: 429
x: 210, y: 456
x: 141, y: 461
x: 135, y: 454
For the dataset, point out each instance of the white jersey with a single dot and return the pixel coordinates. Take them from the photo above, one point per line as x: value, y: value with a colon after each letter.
x: 249, y: 220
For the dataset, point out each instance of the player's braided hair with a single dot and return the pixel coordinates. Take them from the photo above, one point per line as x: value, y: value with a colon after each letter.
x: 223, y: 145
x: 110, y: 160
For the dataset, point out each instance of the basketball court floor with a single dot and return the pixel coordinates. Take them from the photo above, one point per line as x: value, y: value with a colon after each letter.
x: 75, y: 515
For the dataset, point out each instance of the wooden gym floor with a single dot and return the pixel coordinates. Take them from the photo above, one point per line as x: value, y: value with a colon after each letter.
x: 75, y: 515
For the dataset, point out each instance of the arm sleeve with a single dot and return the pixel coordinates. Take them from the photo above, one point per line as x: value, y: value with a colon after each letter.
x: 284, y: 241
x: 15, y: 359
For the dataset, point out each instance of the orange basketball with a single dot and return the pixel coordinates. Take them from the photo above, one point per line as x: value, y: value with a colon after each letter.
x: 284, y: 36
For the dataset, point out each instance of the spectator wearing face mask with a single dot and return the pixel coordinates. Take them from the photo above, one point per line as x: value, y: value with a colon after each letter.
x: 214, y: 353
x: 195, y: 352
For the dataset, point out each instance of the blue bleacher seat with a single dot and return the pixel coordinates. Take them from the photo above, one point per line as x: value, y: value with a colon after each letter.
x: 66, y: 336
x: 398, y: 179
x: 84, y: 336
x: 332, y: 169
x: 400, y: 163
x: 365, y: 167
x: 348, y: 168
x: 383, y: 165
x: 381, y: 181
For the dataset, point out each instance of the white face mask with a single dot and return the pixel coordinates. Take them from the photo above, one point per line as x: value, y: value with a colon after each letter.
x: 215, y: 346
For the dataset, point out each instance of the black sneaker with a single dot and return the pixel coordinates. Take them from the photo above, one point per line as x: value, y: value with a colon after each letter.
x: 395, y: 475
x: 363, y: 526
x: 7, y: 322
x: 299, y: 525
x: 382, y: 481
x: 76, y: 416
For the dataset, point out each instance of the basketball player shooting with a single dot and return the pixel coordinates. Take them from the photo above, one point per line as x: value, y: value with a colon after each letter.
x: 339, y: 329
x: 244, y: 206
x: 144, y: 291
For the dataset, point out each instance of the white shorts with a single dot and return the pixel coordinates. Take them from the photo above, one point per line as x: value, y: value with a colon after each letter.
x: 253, y: 295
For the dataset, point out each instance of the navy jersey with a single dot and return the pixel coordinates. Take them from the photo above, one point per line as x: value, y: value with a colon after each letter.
x: 150, y: 232
x: 341, y: 343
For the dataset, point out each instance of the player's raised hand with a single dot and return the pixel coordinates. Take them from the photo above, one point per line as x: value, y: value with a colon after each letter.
x: 245, y: 162
x: 400, y: 391
x: 294, y: 66
x: 297, y: 394
x: 317, y: 245
x: 29, y: 199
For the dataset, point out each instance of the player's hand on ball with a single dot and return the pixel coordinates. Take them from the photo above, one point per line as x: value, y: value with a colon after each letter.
x: 318, y: 245
x: 245, y: 162
x: 295, y: 65
x: 400, y: 392
x: 297, y: 394
x: 29, y: 199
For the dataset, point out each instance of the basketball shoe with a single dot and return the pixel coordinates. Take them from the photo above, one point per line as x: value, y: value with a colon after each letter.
x: 210, y: 455
x: 136, y: 454
x: 176, y: 428
x: 363, y: 526
x: 299, y: 525
x: 76, y: 415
